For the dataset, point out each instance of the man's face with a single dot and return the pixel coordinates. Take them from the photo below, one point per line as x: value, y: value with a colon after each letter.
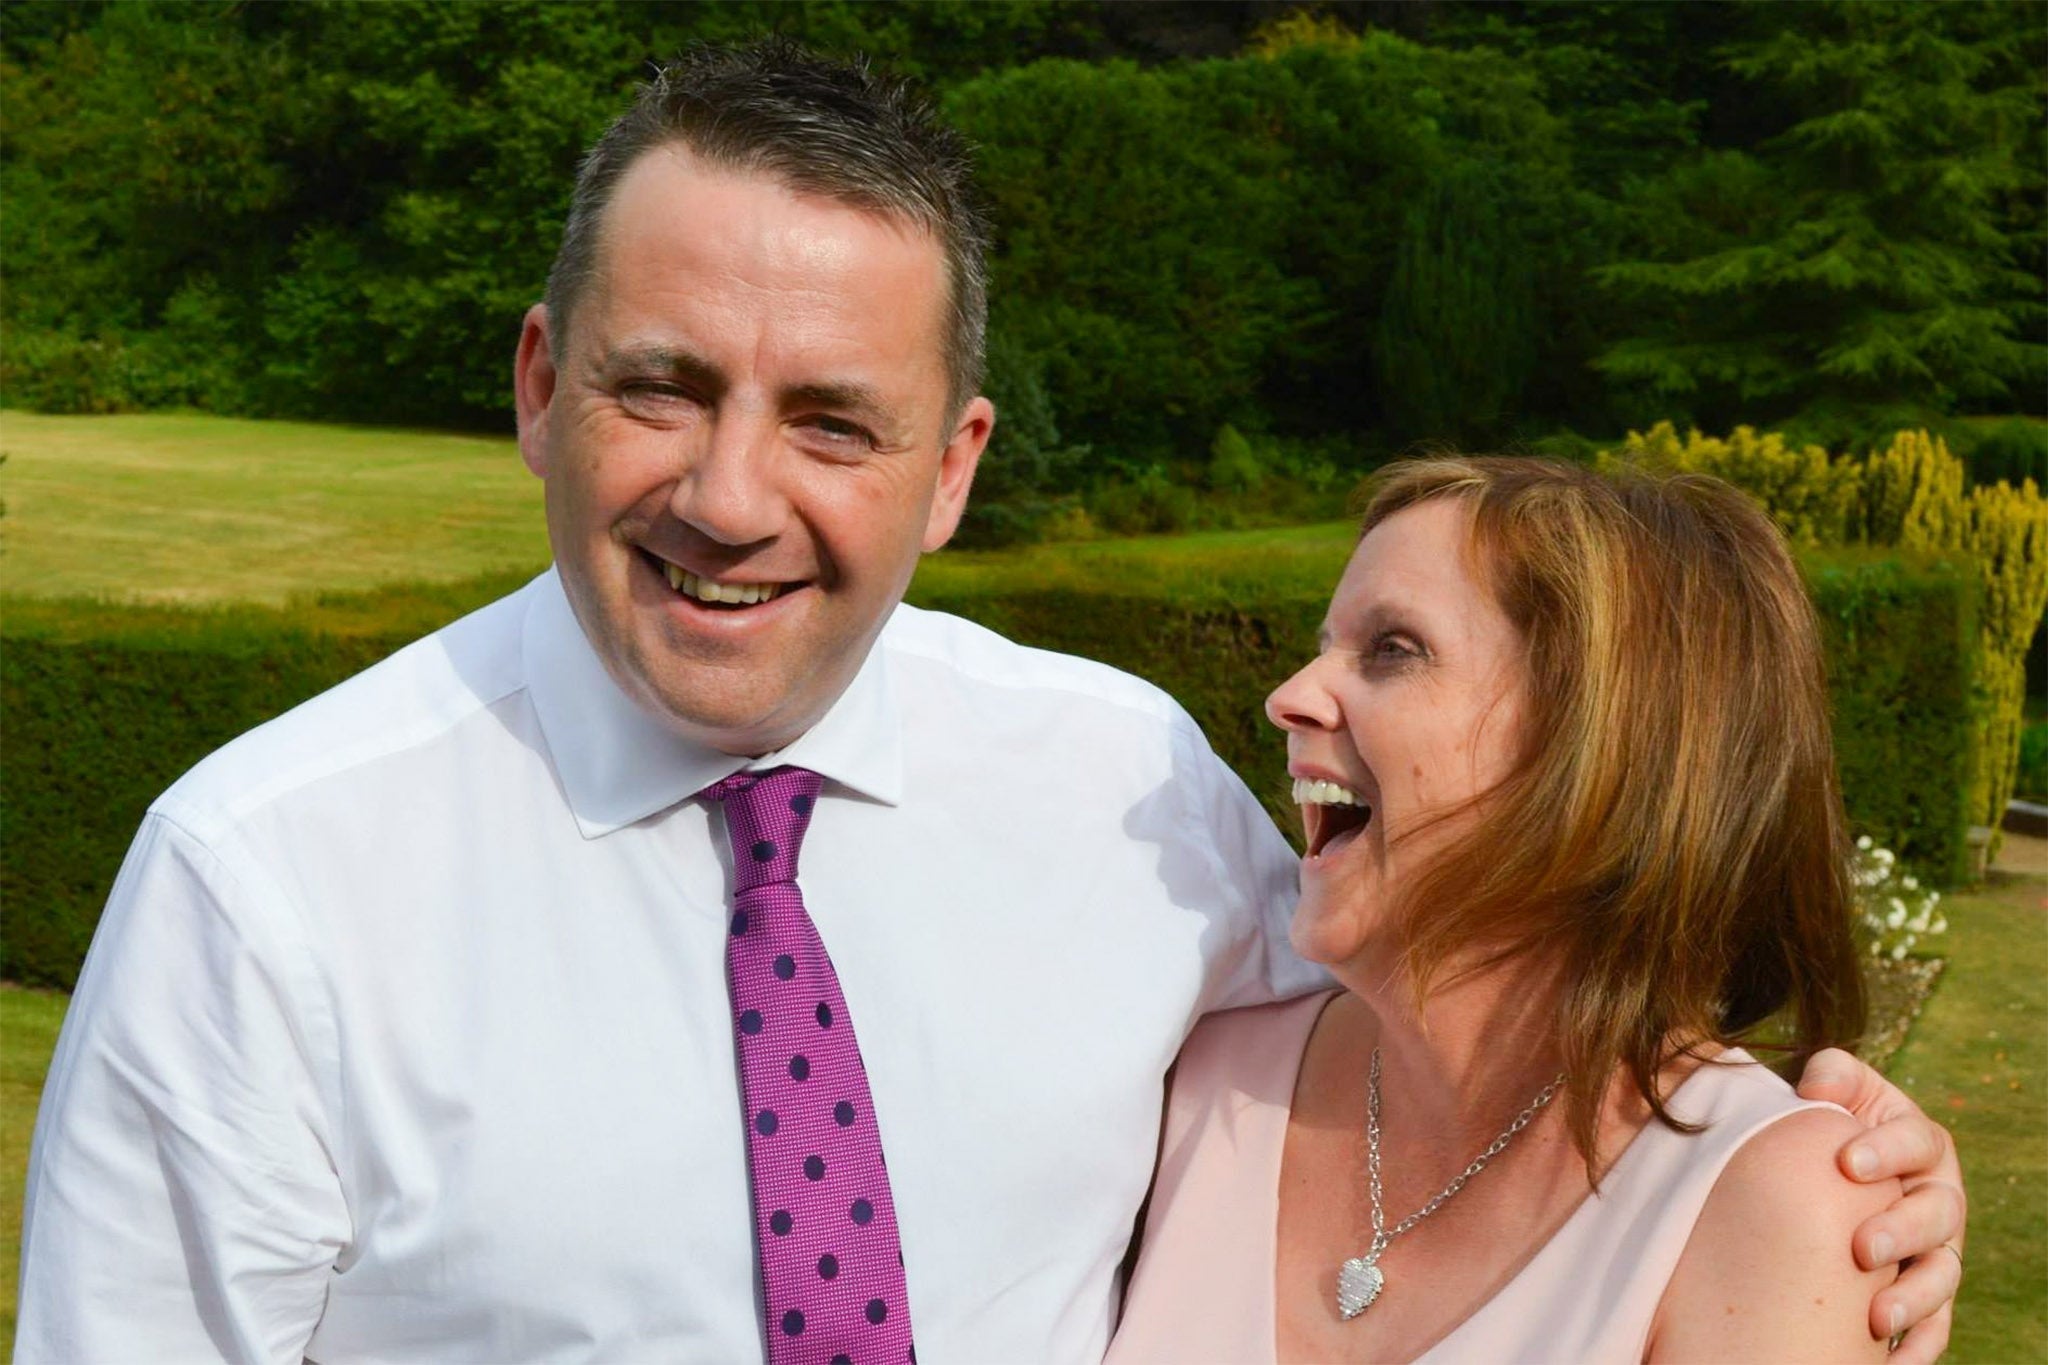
x: 750, y: 405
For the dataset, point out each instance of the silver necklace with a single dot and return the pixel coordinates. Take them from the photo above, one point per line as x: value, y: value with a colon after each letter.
x: 1360, y: 1279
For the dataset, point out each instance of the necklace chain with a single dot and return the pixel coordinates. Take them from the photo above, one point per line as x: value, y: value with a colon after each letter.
x: 1380, y: 1236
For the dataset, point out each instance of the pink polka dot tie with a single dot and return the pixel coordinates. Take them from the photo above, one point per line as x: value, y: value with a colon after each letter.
x: 831, y: 1259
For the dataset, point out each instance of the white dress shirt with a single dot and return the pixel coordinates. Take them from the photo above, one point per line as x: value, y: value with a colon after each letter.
x: 405, y: 1034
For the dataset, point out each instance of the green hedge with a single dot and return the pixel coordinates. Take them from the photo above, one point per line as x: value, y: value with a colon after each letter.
x: 105, y: 706
x: 1901, y: 641
x: 1899, y: 638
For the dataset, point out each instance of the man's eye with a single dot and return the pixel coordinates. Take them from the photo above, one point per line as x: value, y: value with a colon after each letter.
x: 651, y: 396
x: 840, y: 431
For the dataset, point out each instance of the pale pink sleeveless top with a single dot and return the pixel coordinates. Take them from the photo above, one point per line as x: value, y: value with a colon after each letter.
x: 1203, y: 1287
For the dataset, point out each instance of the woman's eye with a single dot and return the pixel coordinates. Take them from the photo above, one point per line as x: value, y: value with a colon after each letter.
x: 1391, y: 648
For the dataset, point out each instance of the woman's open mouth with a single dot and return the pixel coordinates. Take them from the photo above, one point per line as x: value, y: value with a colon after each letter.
x: 1331, y: 815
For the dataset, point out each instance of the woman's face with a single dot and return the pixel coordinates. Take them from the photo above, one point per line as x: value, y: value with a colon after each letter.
x: 1412, y: 707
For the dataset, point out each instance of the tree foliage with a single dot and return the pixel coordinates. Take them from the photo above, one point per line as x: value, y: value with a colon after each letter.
x: 1864, y: 261
x: 1457, y: 333
x: 1332, y: 237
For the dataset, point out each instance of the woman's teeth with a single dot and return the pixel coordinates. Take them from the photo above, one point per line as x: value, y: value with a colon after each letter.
x: 1309, y: 792
x: 1331, y: 816
x: 705, y: 590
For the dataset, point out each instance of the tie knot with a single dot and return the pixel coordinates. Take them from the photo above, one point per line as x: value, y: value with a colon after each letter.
x: 765, y: 818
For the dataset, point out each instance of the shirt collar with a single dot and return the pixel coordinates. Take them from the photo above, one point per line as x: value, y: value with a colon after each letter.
x: 619, y: 764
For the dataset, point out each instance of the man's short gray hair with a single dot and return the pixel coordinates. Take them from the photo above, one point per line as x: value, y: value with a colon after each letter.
x: 829, y: 128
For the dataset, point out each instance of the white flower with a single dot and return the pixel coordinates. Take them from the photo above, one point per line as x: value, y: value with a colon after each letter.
x: 1876, y: 948
x: 1940, y: 925
x: 1864, y: 843
x: 1896, y: 919
x: 1910, y: 883
x: 1918, y: 924
x: 1899, y: 953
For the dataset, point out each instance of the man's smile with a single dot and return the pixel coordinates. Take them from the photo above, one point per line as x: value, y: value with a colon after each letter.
x: 725, y: 594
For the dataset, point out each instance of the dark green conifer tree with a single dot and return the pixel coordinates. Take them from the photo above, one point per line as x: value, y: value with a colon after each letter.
x: 1866, y: 264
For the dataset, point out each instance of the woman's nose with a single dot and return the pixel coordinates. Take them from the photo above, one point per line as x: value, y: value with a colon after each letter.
x: 1303, y: 702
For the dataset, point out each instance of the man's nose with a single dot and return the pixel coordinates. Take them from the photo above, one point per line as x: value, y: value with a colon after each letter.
x: 1303, y: 702
x: 731, y: 489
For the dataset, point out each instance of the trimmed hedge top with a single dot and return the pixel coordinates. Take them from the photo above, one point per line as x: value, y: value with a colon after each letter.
x: 107, y: 705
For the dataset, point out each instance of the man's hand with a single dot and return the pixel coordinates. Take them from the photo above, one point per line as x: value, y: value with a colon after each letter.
x: 1924, y: 1227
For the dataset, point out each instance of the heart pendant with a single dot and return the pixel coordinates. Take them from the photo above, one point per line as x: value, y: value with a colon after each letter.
x: 1358, y: 1283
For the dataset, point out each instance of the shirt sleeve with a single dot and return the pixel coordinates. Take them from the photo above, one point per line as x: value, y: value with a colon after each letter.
x: 183, y: 1202
x: 1255, y: 875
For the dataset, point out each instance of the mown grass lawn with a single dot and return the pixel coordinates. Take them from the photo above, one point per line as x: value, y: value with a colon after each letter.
x: 28, y: 1034
x: 1978, y: 1061
x: 196, y: 509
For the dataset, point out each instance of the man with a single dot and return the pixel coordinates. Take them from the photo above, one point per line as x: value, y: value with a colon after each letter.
x: 480, y: 1009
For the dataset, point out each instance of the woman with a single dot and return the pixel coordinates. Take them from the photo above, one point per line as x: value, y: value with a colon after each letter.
x: 1572, y: 830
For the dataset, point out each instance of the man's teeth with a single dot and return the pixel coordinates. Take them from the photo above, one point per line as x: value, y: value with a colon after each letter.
x: 704, y: 590
x: 1319, y: 793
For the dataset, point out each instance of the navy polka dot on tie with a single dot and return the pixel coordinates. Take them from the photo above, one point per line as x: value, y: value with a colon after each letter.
x: 785, y: 967
x: 877, y: 1311
x: 764, y: 851
x: 863, y: 1212
x: 912, y: 1356
x: 814, y: 1167
x: 779, y: 1222
x: 824, y: 1015
x: 842, y: 1359
x: 800, y: 804
x: 799, y: 1068
x: 739, y: 924
x: 765, y: 1123
x: 842, y: 1113
x: 792, y: 1323
x: 828, y: 1266
x: 750, y: 1023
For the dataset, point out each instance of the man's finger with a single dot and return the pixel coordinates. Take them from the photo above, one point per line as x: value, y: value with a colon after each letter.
x: 1921, y: 1305
x: 1909, y: 1145
x: 1925, y: 1343
x: 1929, y: 1215
x: 1838, y: 1078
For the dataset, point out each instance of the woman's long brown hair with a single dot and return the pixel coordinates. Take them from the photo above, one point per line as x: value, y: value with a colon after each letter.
x: 1671, y: 836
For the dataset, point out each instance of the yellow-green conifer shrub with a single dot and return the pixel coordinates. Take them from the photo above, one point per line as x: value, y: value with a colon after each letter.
x: 1815, y: 498
x: 1914, y: 498
x: 1909, y: 495
x: 1913, y: 494
x: 2005, y: 531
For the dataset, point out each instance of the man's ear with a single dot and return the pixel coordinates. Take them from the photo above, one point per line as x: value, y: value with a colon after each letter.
x: 957, y: 463
x: 533, y: 388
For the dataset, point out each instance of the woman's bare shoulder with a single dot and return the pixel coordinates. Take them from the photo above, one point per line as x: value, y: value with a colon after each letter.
x: 1768, y: 1272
